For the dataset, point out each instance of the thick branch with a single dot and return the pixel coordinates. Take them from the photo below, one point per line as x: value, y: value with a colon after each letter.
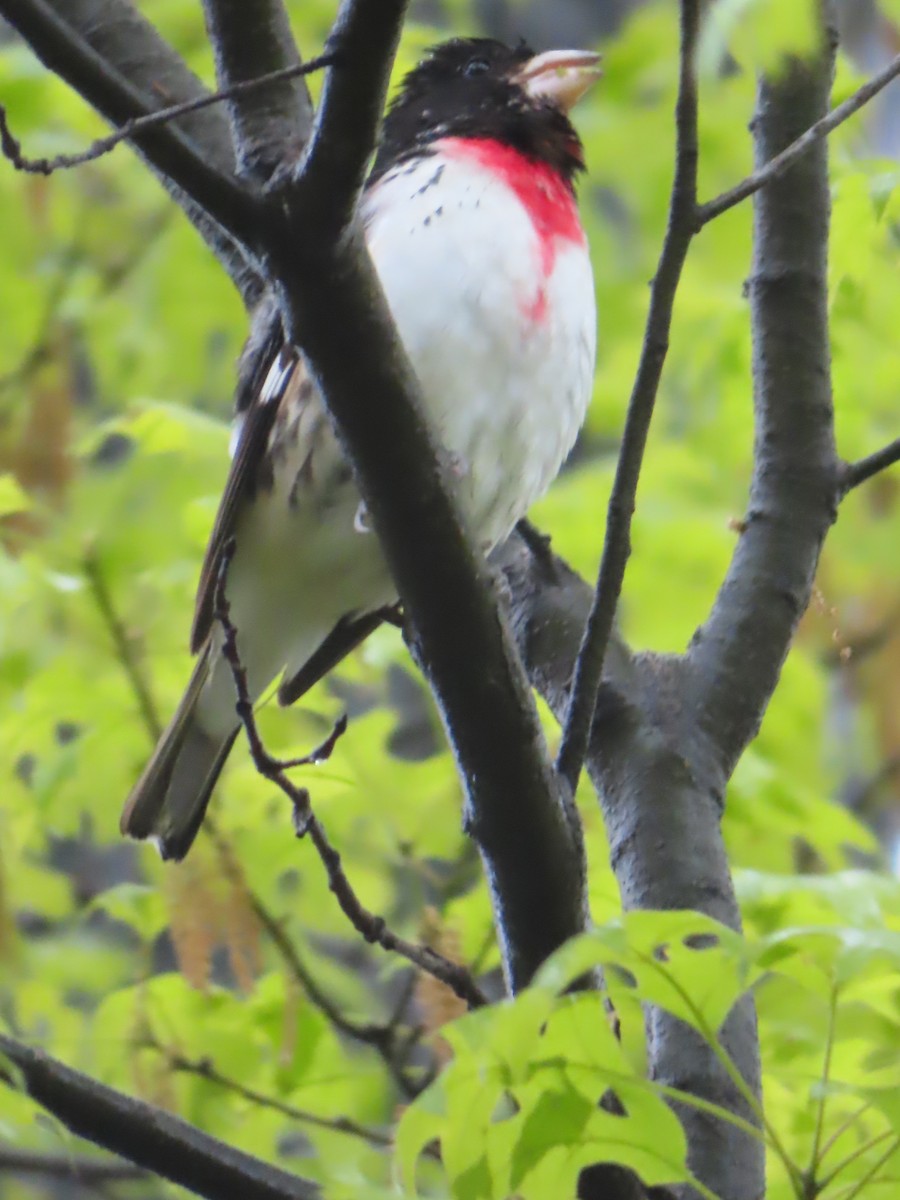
x: 736, y: 657
x: 253, y: 38
x: 528, y: 838
x: 146, y: 1135
x: 327, y: 187
x: 617, y: 542
x: 661, y: 809
x: 115, y: 59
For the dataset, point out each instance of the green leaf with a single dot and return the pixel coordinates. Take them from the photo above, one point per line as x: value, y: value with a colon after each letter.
x: 137, y: 905
x: 12, y: 498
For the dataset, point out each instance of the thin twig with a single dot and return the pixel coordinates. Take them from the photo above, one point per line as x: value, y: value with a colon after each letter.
x: 373, y: 928
x: 851, y: 1191
x: 851, y: 1158
x: 841, y: 1129
x: 617, y: 543
x: 785, y: 160
x: 814, y: 1157
x: 204, y: 1068
x: 77, y: 1168
x: 12, y: 148
x: 858, y: 472
x: 382, y: 1038
x: 122, y: 643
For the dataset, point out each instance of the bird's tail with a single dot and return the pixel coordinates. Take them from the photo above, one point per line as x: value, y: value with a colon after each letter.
x: 169, y: 800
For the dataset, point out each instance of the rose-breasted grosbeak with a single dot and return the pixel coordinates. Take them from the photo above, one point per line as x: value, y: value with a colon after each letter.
x: 472, y: 225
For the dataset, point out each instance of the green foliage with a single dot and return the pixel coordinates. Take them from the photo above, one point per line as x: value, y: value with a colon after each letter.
x: 524, y: 1104
x: 116, y: 368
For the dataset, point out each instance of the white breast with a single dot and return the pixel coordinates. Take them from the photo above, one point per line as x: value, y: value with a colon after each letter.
x: 504, y: 349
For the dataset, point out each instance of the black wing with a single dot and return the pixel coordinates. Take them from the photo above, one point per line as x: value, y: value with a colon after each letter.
x: 247, y: 467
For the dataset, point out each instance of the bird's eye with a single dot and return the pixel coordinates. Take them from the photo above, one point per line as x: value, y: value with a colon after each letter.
x: 476, y: 66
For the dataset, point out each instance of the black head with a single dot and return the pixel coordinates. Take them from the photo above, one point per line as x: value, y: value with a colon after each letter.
x: 477, y: 87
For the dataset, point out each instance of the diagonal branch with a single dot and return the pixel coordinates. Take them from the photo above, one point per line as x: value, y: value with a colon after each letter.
x: 526, y: 830
x: 135, y: 50
x: 617, y: 542
x: 253, y: 38
x: 853, y: 474
x: 775, y: 167
x: 196, y: 172
x: 146, y: 1135
x: 373, y: 928
x: 204, y: 1068
x: 12, y: 150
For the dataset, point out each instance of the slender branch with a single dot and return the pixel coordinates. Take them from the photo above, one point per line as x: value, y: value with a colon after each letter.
x: 776, y: 166
x: 75, y: 1168
x: 373, y: 928
x: 12, y: 150
x: 815, y: 1149
x: 122, y: 644
x: 133, y: 48
x: 844, y: 1126
x: 822, y: 1184
x: 146, y: 1135
x: 858, y: 1188
x: 211, y: 195
x: 853, y: 474
x: 253, y: 38
x: 203, y: 1068
x: 382, y: 1038
x: 617, y: 542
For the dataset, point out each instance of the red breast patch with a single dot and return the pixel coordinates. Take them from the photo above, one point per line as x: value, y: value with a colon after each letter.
x: 541, y: 191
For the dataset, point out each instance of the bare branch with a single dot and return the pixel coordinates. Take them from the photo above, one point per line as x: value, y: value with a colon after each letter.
x: 776, y: 166
x: 221, y: 209
x: 146, y: 1135
x: 384, y: 1039
x: 203, y: 1068
x: 12, y: 150
x: 373, y: 928
x: 252, y: 38
x: 853, y: 474
x: 617, y: 542
x: 133, y: 49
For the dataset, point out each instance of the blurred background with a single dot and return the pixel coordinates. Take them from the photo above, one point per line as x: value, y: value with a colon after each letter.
x: 118, y: 338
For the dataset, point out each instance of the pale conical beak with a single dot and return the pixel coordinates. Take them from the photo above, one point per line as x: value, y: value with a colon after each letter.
x: 560, y: 76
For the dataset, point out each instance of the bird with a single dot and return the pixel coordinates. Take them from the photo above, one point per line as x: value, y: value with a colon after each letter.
x: 471, y: 221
